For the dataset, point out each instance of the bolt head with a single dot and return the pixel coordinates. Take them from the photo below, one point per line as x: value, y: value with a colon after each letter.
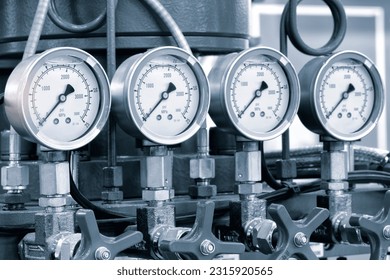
x: 300, y: 239
x: 386, y: 232
x: 207, y: 247
x: 102, y: 253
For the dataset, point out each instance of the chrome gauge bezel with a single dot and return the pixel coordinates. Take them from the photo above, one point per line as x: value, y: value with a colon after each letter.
x: 17, y: 102
x: 311, y: 77
x: 221, y: 78
x: 123, y: 87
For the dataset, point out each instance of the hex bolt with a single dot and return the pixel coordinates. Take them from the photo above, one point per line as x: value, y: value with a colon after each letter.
x: 102, y: 253
x: 300, y: 239
x: 207, y: 247
x: 386, y: 232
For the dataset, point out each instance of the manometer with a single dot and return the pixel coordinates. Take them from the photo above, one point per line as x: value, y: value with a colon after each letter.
x: 161, y: 95
x: 59, y: 98
x: 342, y: 95
x: 254, y: 93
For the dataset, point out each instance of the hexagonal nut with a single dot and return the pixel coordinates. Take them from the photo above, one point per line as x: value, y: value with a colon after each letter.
x: 52, y: 201
x: 334, y: 186
x: 159, y: 195
x: 248, y: 166
x: 15, y: 198
x: 249, y: 188
x: 55, y: 178
x: 262, y: 236
x: 14, y: 176
x: 334, y: 166
x: 113, y: 176
x: 202, y: 168
x: 112, y: 195
x: 156, y: 171
x: 202, y: 191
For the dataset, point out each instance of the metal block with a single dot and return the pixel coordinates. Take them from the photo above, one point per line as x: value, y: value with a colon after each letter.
x: 202, y: 168
x: 157, y: 195
x: 242, y: 212
x: 334, y: 166
x: 14, y: 177
x: 49, y: 224
x: 156, y: 171
x: 248, y: 166
x: 286, y: 169
x: 54, y: 178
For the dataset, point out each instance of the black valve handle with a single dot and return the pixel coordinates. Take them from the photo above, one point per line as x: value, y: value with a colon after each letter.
x: 98, y: 246
x: 200, y: 243
x: 293, y: 238
x: 377, y: 229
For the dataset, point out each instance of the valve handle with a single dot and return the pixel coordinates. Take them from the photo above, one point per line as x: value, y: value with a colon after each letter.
x: 377, y: 229
x: 95, y: 245
x: 293, y: 239
x: 200, y: 243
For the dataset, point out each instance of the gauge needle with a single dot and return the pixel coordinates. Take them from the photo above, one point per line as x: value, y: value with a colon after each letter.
x: 164, y: 96
x: 258, y: 93
x: 344, y: 96
x: 61, y: 99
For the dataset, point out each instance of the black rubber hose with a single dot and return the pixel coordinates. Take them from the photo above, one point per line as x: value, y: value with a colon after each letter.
x: 289, y: 27
x: 265, y: 173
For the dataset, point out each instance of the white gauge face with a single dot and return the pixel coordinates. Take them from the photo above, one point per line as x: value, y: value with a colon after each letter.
x: 259, y: 94
x: 64, y: 99
x: 346, y: 96
x: 166, y: 96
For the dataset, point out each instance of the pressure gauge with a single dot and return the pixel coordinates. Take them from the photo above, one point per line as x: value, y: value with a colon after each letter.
x: 161, y: 95
x: 254, y: 93
x: 59, y: 98
x: 342, y: 95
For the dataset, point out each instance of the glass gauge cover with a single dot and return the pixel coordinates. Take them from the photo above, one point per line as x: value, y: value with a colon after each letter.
x: 59, y: 98
x: 161, y: 95
x: 342, y: 96
x: 255, y: 93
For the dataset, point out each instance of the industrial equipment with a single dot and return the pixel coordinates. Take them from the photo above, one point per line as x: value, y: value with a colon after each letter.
x: 107, y: 151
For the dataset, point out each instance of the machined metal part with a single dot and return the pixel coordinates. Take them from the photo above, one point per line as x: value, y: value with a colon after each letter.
x: 260, y: 235
x: 14, y: 177
x: 54, y: 178
x: 156, y: 172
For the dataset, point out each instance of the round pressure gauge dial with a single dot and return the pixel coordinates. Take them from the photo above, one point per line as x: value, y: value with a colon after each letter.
x: 59, y: 98
x: 342, y: 96
x: 161, y: 95
x: 255, y: 93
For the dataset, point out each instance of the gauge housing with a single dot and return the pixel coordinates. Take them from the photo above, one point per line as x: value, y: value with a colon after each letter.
x: 222, y: 77
x: 311, y: 79
x: 20, y: 86
x: 125, y: 86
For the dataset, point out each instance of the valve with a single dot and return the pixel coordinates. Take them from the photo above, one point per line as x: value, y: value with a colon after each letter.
x: 294, y: 236
x: 95, y: 246
x: 200, y: 243
x: 377, y: 229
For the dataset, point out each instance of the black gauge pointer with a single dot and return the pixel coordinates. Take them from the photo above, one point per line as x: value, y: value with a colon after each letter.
x: 258, y: 93
x: 344, y: 96
x: 61, y: 99
x: 164, y: 96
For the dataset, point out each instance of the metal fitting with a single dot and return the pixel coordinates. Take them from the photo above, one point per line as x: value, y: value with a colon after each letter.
x: 15, y: 198
x: 202, y: 191
x: 248, y: 166
x: 160, y: 195
x: 207, y: 247
x: 202, y: 168
x: 102, y: 253
x: 54, y: 178
x: 14, y: 177
x: 300, y: 239
x: 66, y: 246
x: 252, y: 188
x: 113, y: 176
x: 164, y: 234
x: 334, y: 165
x: 112, y: 195
x: 53, y: 201
x: 386, y: 232
x: 334, y: 186
x: 260, y: 233
x: 156, y: 171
